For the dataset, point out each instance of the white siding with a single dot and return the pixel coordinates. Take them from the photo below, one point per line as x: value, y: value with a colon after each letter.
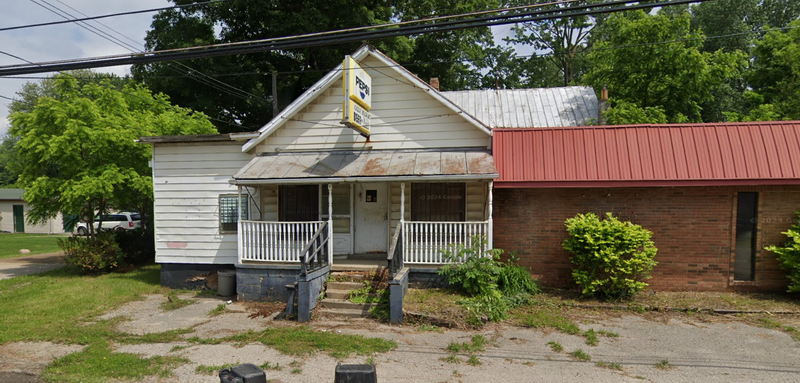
x: 187, y: 182
x: 403, y: 117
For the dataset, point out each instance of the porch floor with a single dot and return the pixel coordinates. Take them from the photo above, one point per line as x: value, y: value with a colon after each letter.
x: 359, y: 262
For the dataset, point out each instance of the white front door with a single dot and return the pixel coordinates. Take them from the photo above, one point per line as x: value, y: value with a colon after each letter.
x: 371, y: 214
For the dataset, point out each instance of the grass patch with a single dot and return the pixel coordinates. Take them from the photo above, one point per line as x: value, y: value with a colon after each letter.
x: 438, y: 303
x: 10, y: 244
x: 555, y: 346
x: 473, y: 360
x: 591, y: 337
x: 296, y: 371
x: 580, y: 355
x: 213, y: 370
x: 156, y: 337
x: 97, y: 363
x: 51, y: 306
x: 271, y: 366
x: 663, y: 365
x: 607, y: 334
x: 220, y: 309
x: 771, y: 323
x: 609, y: 365
x: 452, y: 358
x: 175, y: 302
x: 429, y: 327
x: 301, y: 341
x: 545, y: 318
x: 476, y: 344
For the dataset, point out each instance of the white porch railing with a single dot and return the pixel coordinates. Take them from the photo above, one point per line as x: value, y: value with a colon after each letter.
x: 423, y: 242
x: 265, y: 241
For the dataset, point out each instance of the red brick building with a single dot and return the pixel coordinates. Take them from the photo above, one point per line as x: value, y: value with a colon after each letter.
x: 714, y: 195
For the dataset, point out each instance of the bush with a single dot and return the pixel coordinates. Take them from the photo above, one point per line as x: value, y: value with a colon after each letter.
x: 611, y: 258
x: 93, y: 254
x: 789, y: 255
x: 493, y: 286
x: 137, y: 245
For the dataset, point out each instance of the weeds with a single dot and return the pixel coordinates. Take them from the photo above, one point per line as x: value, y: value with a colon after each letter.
x: 555, y: 346
x: 476, y: 344
x: 305, y: 341
x: 213, y: 370
x: 591, y: 337
x: 663, y: 365
x: 580, y: 355
x: 473, y: 360
x: 770, y: 323
x: 609, y: 365
x: 220, y: 309
x: 271, y: 366
x: 175, y: 302
x: 452, y: 358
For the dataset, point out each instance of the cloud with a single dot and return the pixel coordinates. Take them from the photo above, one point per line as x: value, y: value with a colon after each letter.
x: 65, y: 40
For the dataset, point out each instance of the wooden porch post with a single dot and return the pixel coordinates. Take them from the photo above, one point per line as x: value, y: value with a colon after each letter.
x: 490, y: 229
x: 239, y: 248
x: 330, y: 224
x: 403, y: 214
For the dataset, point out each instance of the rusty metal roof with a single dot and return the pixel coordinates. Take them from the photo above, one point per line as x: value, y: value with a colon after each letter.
x: 754, y: 153
x: 366, y: 166
x: 529, y: 108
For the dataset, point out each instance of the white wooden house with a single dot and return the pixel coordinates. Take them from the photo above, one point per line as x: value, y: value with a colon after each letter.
x: 305, y: 185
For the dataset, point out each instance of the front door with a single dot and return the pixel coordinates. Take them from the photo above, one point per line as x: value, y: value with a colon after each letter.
x: 371, y: 215
x: 19, y: 219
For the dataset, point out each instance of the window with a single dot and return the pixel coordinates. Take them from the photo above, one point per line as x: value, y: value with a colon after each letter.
x: 298, y: 203
x: 229, y: 212
x: 746, y: 228
x: 440, y: 202
x: 136, y: 217
x: 341, y: 207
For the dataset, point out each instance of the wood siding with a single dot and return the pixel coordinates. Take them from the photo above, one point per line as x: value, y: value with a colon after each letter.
x: 187, y: 182
x: 403, y: 117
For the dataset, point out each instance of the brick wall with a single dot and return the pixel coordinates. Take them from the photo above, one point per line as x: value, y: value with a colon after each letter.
x: 693, y: 228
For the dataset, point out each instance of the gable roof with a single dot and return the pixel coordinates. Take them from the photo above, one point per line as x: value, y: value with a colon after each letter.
x: 335, y: 75
x: 530, y: 108
x: 747, y: 153
x: 11, y: 194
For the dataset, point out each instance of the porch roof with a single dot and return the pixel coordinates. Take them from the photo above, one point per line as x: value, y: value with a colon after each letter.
x: 367, y: 166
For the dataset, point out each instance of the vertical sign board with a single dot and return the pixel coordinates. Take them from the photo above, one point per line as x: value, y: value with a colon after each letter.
x: 357, y: 96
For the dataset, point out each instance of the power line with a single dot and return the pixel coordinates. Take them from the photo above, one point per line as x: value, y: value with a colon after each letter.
x: 8, y: 98
x: 110, y: 15
x: 291, y: 42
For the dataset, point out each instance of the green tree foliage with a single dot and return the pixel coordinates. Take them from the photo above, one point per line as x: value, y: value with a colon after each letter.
x: 559, y: 42
x: 624, y: 112
x: 789, y: 255
x: 775, y: 72
x: 610, y: 258
x: 732, y: 20
x: 78, y: 151
x: 654, y: 60
x: 455, y: 57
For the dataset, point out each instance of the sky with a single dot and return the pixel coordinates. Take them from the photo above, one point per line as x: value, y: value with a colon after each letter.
x: 71, y: 41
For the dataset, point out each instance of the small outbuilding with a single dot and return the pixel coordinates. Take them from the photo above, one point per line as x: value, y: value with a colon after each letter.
x: 14, y: 215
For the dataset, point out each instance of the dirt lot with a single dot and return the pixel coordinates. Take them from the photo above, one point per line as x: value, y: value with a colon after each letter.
x: 653, y: 347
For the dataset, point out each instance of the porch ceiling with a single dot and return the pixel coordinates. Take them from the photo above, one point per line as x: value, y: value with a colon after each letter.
x: 367, y: 166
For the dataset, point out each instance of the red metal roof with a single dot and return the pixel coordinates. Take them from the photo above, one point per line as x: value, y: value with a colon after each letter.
x: 748, y: 153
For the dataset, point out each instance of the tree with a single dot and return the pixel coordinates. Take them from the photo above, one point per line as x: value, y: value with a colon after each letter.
x: 561, y: 41
x: 733, y: 20
x: 775, y: 73
x: 654, y: 60
x: 456, y: 57
x: 78, y: 151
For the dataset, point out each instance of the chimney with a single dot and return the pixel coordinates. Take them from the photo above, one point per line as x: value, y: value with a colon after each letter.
x: 602, y: 106
x: 434, y: 83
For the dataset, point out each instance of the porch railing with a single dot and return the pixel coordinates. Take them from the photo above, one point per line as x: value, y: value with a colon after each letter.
x: 264, y: 241
x: 315, y: 254
x: 423, y: 242
x: 394, y: 256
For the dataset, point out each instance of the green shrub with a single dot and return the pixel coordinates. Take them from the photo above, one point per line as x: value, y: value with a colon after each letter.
x: 493, y: 286
x: 610, y: 258
x: 93, y: 254
x: 138, y: 245
x: 789, y: 255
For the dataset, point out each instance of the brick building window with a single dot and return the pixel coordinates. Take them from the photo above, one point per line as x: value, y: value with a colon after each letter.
x: 746, y: 228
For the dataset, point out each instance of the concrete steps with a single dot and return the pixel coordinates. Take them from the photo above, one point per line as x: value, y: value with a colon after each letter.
x: 336, y: 304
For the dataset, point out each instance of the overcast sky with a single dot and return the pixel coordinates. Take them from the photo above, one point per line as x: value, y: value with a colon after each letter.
x: 69, y: 40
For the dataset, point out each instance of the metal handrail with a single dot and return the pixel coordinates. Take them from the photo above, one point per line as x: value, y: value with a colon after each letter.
x: 395, y: 255
x: 310, y: 258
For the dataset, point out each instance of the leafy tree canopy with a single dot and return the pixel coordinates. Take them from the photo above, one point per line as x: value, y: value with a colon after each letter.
x: 775, y: 73
x: 78, y: 146
x: 672, y: 73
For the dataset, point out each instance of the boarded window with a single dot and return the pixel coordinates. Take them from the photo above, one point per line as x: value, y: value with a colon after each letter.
x: 229, y: 212
x: 746, y: 226
x: 440, y: 202
x: 298, y: 203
